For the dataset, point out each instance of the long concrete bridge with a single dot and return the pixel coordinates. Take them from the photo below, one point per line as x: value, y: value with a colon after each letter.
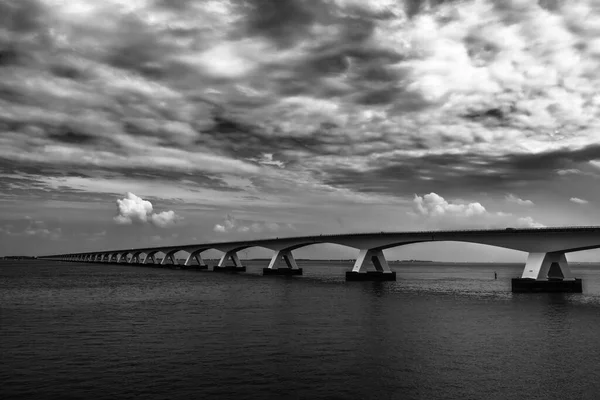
x: 546, y: 268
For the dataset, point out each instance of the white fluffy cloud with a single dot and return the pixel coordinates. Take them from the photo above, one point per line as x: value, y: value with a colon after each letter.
x: 164, y: 219
x: 514, y: 199
x: 528, y: 222
x: 437, y: 212
x: 134, y: 209
x: 434, y: 205
x: 577, y: 200
x: 232, y: 224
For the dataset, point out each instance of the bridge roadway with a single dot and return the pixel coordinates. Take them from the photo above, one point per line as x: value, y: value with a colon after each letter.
x: 546, y: 268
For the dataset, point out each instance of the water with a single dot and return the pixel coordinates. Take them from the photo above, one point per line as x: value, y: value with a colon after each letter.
x: 89, y: 331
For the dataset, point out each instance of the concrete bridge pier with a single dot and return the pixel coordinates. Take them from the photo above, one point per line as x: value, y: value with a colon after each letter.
x: 287, y: 256
x: 135, y: 258
x: 360, y: 270
x: 149, y: 259
x: 237, y: 264
x: 195, y: 255
x: 546, y: 272
x: 170, y: 256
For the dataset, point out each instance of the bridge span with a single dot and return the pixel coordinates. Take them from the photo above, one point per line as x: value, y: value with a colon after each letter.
x: 546, y: 268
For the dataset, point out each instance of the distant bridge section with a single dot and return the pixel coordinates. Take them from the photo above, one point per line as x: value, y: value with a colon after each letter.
x: 546, y: 261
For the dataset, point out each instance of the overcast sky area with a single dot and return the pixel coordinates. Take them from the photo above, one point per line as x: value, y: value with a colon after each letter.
x: 130, y: 123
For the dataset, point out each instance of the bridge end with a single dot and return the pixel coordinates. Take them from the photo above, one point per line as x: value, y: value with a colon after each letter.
x: 528, y: 285
x: 370, y: 276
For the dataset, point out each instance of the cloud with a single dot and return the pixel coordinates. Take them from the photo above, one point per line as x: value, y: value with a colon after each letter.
x: 267, y: 159
x: 269, y: 104
x: 528, y: 222
x: 39, y: 228
x: 33, y: 228
x: 164, y: 219
x: 434, y: 205
x: 96, y: 236
x: 232, y: 224
x: 577, y: 200
x: 310, y: 88
x: 514, y: 199
x: 219, y: 228
x: 436, y: 212
x: 570, y: 171
x: 6, y: 230
x: 134, y: 209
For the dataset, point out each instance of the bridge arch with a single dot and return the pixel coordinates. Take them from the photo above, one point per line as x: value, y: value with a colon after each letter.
x: 122, y: 256
x: 170, y: 255
x: 150, y: 255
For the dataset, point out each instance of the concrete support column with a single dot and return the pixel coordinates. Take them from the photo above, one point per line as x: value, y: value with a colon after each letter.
x: 195, y: 255
x: 360, y: 270
x: 371, y: 255
x: 547, y: 272
x: 148, y: 258
x: 287, y: 256
x: 229, y: 255
x: 291, y: 266
x: 541, y: 266
x: 169, y: 256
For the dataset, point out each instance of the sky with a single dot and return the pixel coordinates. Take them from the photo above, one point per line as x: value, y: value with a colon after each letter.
x: 130, y: 123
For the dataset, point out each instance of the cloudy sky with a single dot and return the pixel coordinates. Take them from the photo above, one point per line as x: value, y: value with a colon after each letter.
x: 145, y: 122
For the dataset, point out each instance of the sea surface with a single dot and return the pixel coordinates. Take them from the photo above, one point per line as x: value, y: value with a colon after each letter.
x: 441, y: 331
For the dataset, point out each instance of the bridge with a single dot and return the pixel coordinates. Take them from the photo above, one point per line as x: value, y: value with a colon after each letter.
x: 546, y: 268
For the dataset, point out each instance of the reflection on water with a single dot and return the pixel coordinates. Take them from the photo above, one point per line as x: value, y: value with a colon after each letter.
x: 452, y: 332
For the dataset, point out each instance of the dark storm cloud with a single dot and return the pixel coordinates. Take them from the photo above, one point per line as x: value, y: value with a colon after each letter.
x: 200, y: 90
x: 36, y: 188
x: 451, y: 173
